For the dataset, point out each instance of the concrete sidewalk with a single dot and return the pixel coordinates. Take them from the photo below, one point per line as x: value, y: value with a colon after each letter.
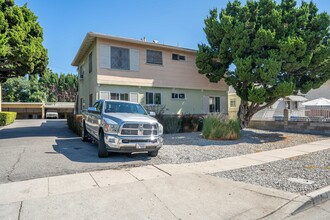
x: 169, y: 191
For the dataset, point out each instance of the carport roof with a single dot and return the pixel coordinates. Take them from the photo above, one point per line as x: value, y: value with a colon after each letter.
x: 296, y: 98
x: 60, y: 105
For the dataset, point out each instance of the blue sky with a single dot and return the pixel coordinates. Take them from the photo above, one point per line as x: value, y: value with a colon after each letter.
x: 173, y: 22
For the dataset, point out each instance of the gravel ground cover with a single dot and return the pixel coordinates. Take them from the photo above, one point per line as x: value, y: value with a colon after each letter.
x: 312, y: 171
x: 191, y: 147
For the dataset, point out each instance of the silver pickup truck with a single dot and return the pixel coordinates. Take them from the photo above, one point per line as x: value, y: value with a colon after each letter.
x: 121, y: 126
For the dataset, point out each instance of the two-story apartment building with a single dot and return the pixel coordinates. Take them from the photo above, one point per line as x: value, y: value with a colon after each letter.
x: 145, y: 72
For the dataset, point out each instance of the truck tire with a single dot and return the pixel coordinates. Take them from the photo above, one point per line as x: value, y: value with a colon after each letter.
x: 153, y: 153
x: 84, y: 133
x: 102, y: 151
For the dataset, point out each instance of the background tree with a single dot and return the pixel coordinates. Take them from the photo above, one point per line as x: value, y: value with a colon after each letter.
x: 49, y: 81
x: 50, y: 87
x: 266, y: 51
x: 21, y: 36
x: 16, y: 90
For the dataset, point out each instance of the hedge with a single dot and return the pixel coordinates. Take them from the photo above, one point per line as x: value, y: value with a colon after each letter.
x: 74, y: 123
x: 7, y: 118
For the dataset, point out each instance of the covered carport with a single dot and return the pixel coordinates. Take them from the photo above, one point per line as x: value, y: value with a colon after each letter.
x: 25, y: 110
x: 37, y: 110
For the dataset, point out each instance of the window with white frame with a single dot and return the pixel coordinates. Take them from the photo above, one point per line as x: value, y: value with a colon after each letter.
x: 154, y: 57
x: 119, y: 96
x: 214, y: 104
x: 153, y: 98
x: 178, y: 96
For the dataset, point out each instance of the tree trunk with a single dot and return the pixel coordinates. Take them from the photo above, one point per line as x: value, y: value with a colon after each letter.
x: 244, y: 114
x: 247, y: 110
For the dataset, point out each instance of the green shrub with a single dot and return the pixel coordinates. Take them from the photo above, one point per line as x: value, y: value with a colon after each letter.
x: 159, y: 111
x: 219, y: 127
x: 190, y: 123
x: 74, y: 123
x: 7, y: 118
x: 171, y: 124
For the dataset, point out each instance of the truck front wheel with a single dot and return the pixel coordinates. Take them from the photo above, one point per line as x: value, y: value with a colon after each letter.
x: 153, y: 153
x: 102, y: 151
x: 84, y: 133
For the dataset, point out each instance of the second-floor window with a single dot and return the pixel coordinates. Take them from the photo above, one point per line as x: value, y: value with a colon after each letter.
x: 90, y: 62
x: 153, y: 98
x: 120, y: 58
x: 178, y: 57
x: 154, y: 57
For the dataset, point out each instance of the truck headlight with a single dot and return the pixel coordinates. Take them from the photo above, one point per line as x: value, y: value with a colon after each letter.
x: 160, y: 129
x: 110, y: 127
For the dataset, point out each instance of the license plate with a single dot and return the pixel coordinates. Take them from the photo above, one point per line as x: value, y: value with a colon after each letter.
x: 140, y: 146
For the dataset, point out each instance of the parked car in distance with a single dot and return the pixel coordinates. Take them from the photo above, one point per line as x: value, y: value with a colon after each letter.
x: 52, y: 114
x: 122, y: 126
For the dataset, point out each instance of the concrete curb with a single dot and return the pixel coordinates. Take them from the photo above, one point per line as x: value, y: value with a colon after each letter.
x: 312, y: 199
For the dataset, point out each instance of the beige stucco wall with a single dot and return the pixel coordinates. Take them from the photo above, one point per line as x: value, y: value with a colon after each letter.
x: 193, y: 104
x: 88, y: 85
x: 172, y: 74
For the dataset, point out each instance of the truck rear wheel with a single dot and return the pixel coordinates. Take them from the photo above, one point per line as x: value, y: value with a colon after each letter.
x: 102, y: 151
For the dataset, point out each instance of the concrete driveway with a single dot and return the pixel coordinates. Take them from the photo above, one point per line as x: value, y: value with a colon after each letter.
x: 41, y: 148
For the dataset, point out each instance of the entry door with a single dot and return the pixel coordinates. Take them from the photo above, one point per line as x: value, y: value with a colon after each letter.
x: 133, y: 97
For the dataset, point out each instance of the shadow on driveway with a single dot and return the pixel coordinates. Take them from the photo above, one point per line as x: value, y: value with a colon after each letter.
x: 86, y: 152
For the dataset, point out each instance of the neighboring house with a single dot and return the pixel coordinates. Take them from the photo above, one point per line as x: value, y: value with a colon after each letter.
x: 233, y: 103
x: 148, y: 73
x: 293, y: 103
x: 38, y: 110
x: 322, y: 92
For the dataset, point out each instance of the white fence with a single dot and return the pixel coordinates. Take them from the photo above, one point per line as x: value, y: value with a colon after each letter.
x: 301, y: 114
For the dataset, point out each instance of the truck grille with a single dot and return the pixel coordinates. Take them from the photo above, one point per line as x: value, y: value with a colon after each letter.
x: 139, y: 129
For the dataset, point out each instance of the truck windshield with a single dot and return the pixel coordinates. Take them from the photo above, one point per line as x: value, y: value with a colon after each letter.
x: 124, y: 107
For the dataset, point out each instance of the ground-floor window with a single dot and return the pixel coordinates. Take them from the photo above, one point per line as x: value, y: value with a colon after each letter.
x: 81, y: 103
x: 232, y: 103
x: 214, y: 104
x: 153, y: 98
x: 178, y: 96
x: 91, y: 100
x: 119, y: 96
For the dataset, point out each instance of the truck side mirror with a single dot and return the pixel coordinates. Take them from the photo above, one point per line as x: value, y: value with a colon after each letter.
x: 91, y: 109
x: 153, y: 114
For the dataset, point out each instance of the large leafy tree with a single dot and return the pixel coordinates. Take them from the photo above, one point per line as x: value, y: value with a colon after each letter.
x: 266, y: 51
x: 50, y: 87
x: 21, y: 36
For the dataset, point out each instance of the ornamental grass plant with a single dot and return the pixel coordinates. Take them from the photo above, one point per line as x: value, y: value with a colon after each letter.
x: 220, y: 127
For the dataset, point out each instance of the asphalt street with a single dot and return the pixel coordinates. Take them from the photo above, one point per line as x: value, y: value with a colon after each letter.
x: 32, y: 149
